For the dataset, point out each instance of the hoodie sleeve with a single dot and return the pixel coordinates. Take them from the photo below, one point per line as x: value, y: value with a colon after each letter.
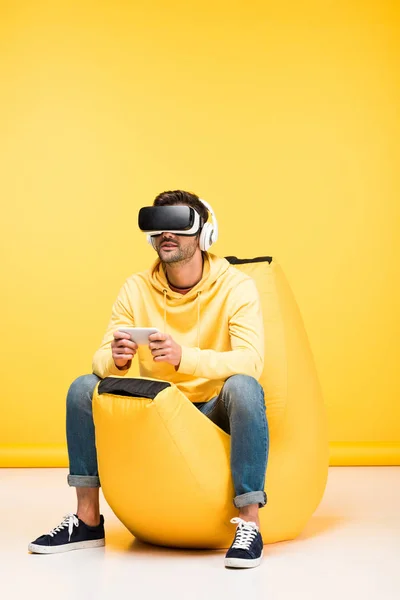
x: 246, y: 331
x: 122, y: 316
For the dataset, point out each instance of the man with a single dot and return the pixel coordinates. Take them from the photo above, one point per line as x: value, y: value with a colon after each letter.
x: 213, y: 354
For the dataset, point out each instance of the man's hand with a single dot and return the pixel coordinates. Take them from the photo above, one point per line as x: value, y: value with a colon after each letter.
x: 164, y: 349
x: 123, y: 349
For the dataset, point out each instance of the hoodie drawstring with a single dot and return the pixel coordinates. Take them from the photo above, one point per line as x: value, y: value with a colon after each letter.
x: 198, y: 318
x: 165, y: 310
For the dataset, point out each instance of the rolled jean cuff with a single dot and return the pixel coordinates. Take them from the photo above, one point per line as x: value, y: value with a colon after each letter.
x: 91, y: 481
x: 259, y: 498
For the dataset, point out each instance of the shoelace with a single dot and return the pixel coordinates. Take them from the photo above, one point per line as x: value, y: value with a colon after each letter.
x: 245, y: 533
x: 70, y: 520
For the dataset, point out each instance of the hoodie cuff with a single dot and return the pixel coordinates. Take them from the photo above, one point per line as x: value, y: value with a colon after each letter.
x: 189, y: 360
x: 113, y: 369
x: 110, y: 369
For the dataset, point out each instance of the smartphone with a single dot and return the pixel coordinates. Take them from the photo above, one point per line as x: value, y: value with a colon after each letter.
x: 139, y: 335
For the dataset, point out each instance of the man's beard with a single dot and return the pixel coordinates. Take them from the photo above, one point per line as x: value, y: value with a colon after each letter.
x: 178, y: 254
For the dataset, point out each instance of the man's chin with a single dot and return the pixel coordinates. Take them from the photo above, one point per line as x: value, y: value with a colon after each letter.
x: 169, y: 256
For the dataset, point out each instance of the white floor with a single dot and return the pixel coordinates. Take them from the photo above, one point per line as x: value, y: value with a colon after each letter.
x: 349, y: 549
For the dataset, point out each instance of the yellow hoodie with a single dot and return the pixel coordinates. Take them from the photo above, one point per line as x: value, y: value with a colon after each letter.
x: 218, y: 324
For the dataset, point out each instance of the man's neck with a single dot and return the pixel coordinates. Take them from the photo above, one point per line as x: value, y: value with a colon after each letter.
x: 183, y: 277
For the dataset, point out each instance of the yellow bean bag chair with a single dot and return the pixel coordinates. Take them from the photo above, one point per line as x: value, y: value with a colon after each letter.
x: 164, y: 466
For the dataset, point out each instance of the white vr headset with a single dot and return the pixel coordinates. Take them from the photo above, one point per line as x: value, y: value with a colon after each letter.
x: 179, y: 219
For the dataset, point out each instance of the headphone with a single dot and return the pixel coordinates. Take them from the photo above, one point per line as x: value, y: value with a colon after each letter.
x: 209, y: 231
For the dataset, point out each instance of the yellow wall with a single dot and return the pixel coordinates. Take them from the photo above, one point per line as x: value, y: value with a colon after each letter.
x: 283, y: 115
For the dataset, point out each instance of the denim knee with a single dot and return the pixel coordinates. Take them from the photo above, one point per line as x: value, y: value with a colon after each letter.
x: 80, y: 389
x: 244, y: 391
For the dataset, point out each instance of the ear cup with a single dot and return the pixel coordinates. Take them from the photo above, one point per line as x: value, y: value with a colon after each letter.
x: 206, y: 236
x: 209, y: 232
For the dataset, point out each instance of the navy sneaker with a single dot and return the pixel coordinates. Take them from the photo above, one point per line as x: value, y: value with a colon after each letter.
x: 247, y: 547
x: 71, y: 534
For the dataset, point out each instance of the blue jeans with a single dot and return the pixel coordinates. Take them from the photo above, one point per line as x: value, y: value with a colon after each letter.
x: 239, y: 410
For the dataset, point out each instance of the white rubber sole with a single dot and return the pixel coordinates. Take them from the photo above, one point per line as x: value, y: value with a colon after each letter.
x: 37, y: 549
x: 243, y: 563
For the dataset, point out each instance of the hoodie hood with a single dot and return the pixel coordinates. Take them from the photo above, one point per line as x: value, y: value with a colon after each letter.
x: 213, y: 268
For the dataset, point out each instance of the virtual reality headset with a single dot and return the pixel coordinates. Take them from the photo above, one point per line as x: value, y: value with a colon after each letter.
x: 179, y: 219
